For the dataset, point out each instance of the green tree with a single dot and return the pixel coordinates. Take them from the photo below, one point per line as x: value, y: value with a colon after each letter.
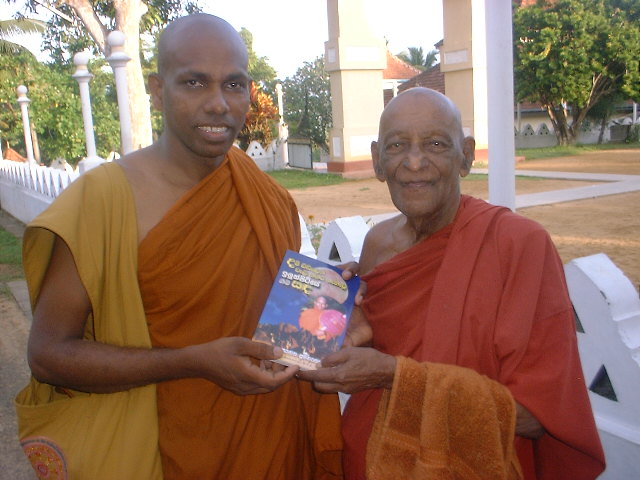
x: 11, y: 27
x: 261, y: 72
x: 92, y: 20
x: 603, y: 110
x: 55, y: 109
x: 416, y: 57
x: 307, y: 103
x: 569, y: 54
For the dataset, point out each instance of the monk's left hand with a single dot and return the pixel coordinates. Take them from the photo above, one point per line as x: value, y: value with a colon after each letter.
x: 351, y: 370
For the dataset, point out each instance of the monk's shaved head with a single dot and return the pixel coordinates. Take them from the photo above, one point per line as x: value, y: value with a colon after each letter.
x: 199, y: 27
x: 432, y: 102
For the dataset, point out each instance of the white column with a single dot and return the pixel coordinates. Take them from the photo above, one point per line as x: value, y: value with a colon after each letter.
x: 118, y: 62
x: 500, y: 102
x: 283, y: 133
x: 82, y: 76
x: 23, y: 101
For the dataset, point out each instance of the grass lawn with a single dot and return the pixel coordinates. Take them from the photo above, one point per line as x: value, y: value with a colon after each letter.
x: 293, y: 179
x: 558, y: 151
x: 10, y: 259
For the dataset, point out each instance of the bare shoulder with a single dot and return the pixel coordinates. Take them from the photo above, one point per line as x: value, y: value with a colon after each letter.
x: 138, y: 167
x: 378, y: 244
x: 153, y: 195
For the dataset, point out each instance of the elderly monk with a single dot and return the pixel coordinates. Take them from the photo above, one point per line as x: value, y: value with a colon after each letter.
x: 474, y: 370
x: 147, y: 278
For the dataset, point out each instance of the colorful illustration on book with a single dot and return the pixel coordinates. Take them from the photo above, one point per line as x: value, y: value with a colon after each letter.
x: 307, y: 311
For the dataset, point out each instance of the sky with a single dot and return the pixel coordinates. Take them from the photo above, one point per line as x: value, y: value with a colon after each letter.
x: 291, y: 32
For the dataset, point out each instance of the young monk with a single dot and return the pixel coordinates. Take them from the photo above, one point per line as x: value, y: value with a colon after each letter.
x: 474, y: 370
x: 147, y: 278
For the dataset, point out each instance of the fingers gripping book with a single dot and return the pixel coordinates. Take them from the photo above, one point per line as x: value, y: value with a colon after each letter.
x: 307, y: 311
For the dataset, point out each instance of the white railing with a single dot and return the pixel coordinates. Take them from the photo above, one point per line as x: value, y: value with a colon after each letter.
x: 27, y: 189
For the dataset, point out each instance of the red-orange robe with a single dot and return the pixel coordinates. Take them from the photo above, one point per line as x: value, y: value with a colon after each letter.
x: 205, y: 272
x: 487, y: 293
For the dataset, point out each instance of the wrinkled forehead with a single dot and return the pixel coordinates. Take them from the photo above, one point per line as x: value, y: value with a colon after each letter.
x: 420, y: 110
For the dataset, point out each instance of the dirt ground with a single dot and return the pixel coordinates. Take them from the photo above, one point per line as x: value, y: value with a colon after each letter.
x: 610, y: 224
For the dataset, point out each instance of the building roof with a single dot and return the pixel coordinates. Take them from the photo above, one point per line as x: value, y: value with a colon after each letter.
x: 398, y: 69
x: 431, y: 78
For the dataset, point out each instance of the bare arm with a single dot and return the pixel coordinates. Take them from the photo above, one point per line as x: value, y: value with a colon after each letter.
x: 59, y: 355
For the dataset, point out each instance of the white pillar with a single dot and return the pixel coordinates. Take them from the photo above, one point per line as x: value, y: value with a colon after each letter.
x: 500, y: 103
x: 118, y: 62
x: 82, y: 76
x: 283, y: 132
x: 23, y: 101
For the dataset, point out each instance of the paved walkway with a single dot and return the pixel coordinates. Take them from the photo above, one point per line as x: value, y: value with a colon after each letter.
x: 611, y: 184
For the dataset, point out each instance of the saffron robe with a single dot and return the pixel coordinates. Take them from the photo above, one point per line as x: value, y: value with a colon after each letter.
x: 205, y: 271
x: 77, y: 434
x: 487, y: 293
x: 106, y: 436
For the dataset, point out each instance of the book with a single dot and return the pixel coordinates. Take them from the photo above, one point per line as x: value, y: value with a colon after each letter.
x: 307, y: 311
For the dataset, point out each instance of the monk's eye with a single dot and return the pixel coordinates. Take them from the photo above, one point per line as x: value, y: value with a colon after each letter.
x: 436, y: 145
x: 394, y: 147
x: 193, y: 83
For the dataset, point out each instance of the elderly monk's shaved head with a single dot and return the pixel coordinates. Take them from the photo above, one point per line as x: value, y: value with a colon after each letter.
x: 428, y: 102
x: 179, y: 35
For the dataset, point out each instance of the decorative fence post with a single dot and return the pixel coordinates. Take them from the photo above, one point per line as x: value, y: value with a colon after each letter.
x: 283, y: 131
x: 118, y: 62
x: 82, y: 76
x: 24, y: 108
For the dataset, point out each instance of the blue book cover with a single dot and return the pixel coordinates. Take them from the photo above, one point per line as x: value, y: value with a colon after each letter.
x: 307, y: 311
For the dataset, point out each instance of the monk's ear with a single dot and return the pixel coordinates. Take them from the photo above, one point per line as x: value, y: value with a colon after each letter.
x: 377, y: 162
x: 155, y: 88
x: 469, y: 154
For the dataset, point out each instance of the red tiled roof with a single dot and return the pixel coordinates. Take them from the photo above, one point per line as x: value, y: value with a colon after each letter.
x: 432, y: 78
x: 11, y: 154
x: 398, y: 69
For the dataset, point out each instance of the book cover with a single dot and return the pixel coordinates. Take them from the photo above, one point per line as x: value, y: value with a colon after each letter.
x: 307, y: 311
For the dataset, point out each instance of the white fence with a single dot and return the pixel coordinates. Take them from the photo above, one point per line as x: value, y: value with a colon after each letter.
x: 27, y: 189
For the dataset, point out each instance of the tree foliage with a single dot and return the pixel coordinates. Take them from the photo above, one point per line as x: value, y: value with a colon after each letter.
x: 261, y: 121
x: 415, y: 56
x: 92, y: 20
x: 569, y: 54
x: 263, y: 74
x: 55, y: 109
x: 307, y: 103
x: 15, y: 26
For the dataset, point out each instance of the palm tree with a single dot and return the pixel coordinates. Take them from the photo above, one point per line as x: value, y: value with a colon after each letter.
x: 17, y: 26
x: 415, y: 57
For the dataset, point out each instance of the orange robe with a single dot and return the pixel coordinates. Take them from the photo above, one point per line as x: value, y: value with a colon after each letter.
x: 205, y: 272
x: 487, y: 293
x: 310, y: 319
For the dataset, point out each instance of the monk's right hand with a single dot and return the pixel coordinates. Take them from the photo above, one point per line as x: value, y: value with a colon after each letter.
x: 234, y: 363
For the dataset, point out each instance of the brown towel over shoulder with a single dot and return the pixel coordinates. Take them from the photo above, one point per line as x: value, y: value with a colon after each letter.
x: 427, y: 426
